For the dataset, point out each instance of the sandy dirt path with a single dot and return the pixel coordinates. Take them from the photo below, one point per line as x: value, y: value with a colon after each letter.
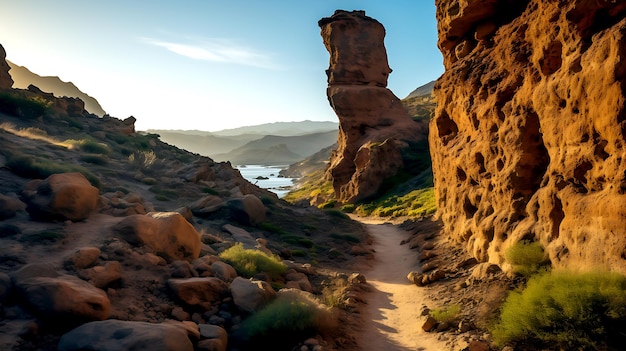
x: 394, y: 305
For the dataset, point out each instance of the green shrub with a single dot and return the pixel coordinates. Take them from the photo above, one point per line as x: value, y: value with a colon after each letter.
x: 40, y: 168
x: 95, y: 159
x: 89, y: 146
x: 293, y: 316
x: 270, y: 227
x: 526, y: 257
x: 416, y: 203
x: 328, y: 204
x: 446, y: 314
x: 297, y: 240
x: 28, y: 107
x: 346, y: 237
x: 574, y: 311
x: 336, y: 213
x: 249, y: 262
x: 348, y: 208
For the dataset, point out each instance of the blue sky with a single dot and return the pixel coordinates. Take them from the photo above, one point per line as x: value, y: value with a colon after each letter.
x: 208, y: 64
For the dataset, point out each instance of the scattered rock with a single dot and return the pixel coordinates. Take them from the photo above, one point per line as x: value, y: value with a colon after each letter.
x: 10, y: 206
x: 167, y: 233
x: 251, y: 295
x: 430, y: 324
x: 65, y: 299
x: 103, y: 276
x: 199, y: 292
x: 247, y: 210
x: 115, y: 335
x: 224, y: 271
x: 83, y: 258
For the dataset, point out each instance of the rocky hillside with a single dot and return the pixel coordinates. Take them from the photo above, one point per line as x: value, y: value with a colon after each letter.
x: 528, y: 137
x: 111, y: 239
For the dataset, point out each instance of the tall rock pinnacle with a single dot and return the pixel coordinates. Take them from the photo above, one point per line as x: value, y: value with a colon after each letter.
x: 6, y: 82
x: 374, y: 127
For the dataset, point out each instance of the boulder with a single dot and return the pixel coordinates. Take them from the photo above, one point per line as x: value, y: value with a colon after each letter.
x: 64, y: 299
x: 251, y: 295
x: 117, y: 335
x: 199, y: 292
x: 6, y: 82
x: 212, y: 337
x: 83, y: 258
x: 374, y: 125
x: 168, y: 234
x: 10, y: 206
x: 528, y: 143
x: 103, y: 276
x: 247, y: 210
x: 224, y: 271
x: 61, y: 196
x: 206, y: 205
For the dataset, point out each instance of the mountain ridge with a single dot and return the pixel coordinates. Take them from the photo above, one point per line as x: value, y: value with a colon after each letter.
x: 23, y: 77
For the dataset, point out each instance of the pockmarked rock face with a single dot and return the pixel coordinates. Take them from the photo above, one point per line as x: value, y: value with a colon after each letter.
x: 527, y: 142
x: 6, y: 82
x: 374, y: 127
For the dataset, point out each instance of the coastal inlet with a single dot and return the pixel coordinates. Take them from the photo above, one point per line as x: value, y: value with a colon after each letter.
x: 267, y: 177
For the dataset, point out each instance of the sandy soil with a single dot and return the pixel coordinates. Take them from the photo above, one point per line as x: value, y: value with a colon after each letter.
x: 394, y: 305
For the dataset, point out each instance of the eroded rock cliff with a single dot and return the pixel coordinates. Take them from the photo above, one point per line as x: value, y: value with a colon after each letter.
x: 6, y: 82
x: 528, y: 136
x: 374, y: 127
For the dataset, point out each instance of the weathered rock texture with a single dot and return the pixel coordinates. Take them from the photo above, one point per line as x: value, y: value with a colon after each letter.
x: 374, y: 127
x: 528, y: 136
x: 6, y: 82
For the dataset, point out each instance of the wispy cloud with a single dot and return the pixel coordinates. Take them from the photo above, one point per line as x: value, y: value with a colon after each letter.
x: 217, y: 50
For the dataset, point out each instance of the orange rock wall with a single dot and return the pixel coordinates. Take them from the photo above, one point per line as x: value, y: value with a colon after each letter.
x: 528, y: 138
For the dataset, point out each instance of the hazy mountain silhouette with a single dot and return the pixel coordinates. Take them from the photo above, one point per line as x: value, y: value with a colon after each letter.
x: 23, y: 77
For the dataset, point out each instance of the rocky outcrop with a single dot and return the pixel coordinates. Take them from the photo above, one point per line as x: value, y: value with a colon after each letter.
x: 6, y: 82
x: 374, y: 127
x: 528, y: 137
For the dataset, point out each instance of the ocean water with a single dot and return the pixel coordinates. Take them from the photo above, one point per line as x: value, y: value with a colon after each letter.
x: 279, y: 186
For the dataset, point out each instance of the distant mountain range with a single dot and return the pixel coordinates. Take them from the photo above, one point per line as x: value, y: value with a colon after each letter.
x: 22, y: 78
x: 277, y: 143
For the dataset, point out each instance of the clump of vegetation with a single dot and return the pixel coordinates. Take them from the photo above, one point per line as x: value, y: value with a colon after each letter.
x: 249, y: 262
x: 346, y: 237
x: 417, y: 203
x: 573, y: 311
x: 526, y: 257
x: 333, y: 212
x: 89, y: 146
x: 39, y: 168
x: 446, y: 314
x: 291, y: 317
x: 333, y: 292
x: 315, y: 185
x: 15, y: 104
x: 95, y: 159
x: 142, y: 159
x: 42, y: 237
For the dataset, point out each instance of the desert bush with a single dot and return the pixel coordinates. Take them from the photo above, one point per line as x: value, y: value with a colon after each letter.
x: 526, y: 257
x: 328, y: 204
x: 333, y: 292
x: 293, y: 316
x: 271, y: 227
x: 574, y: 311
x: 333, y: 212
x: 95, y: 159
x: 89, y: 146
x: 142, y: 159
x: 249, y: 262
x: 297, y: 240
x: 446, y: 314
x: 21, y: 106
x: 348, y: 208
